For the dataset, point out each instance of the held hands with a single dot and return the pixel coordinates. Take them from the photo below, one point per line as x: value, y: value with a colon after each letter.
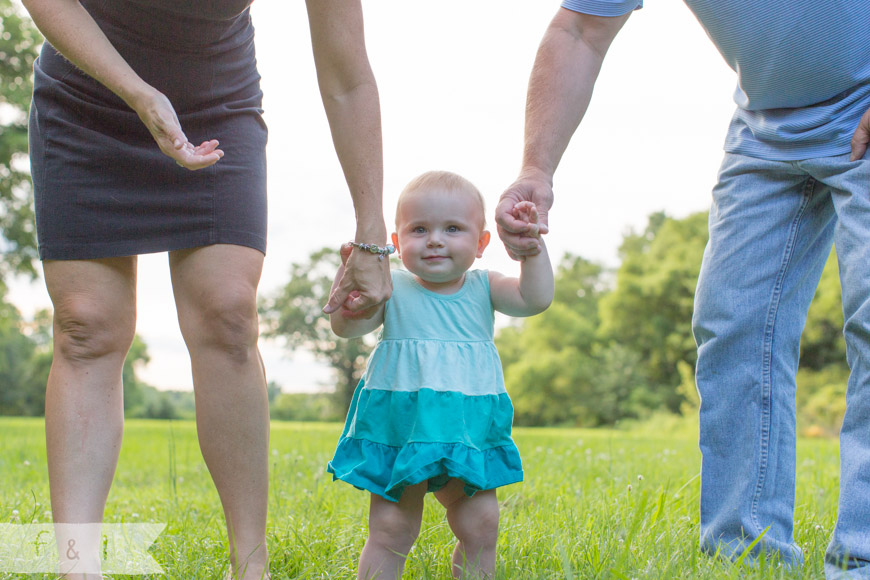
x: 521, y: 215
x: 364, y: 284
x: 159, y: 117
x: 861, y: 138
x: 527, y: 212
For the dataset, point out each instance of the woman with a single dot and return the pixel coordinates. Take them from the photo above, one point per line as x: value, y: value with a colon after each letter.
x: 118, y: 88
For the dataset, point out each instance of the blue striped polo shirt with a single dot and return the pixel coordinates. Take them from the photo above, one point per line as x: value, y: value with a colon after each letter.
x: 803, y: 70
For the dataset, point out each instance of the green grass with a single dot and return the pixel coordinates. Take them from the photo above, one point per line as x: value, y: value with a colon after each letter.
x: 595, y: 504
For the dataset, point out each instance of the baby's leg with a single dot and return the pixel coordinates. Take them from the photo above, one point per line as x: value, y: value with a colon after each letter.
x: 474, y: 521
x: 393, y: 527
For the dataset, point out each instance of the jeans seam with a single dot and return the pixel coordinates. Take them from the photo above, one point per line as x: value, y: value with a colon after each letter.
x: 767, y: 352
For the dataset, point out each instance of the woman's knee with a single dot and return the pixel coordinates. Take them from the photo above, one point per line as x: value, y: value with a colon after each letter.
x: 87, y: 329
x: 224, y: 319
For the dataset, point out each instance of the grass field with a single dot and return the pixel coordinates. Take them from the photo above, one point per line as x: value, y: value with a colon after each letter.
x: 595, y: 504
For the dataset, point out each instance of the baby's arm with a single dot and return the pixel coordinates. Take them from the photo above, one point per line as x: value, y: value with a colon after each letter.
x: 352, y: 327
x: 532, y: 292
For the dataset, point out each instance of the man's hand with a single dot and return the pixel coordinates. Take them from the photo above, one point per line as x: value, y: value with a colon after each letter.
x: 861, y: 137
x: 520, y: 236
x: 365, y: 284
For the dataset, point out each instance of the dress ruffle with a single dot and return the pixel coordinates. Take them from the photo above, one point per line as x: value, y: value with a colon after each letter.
x: 386, y: 471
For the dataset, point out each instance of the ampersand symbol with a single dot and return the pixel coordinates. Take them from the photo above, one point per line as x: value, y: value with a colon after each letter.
x: 70, y: 545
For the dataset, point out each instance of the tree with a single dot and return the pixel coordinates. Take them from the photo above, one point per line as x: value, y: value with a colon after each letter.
x: 650, y: 310
x: 20, y: 390
x: 557, y: 368
x: 822, y: 342
x: 294, y: 315
x: 137, y: 357
x: 19, y: 45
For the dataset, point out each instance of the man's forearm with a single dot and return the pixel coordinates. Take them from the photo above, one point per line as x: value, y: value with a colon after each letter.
x: 560, y: 88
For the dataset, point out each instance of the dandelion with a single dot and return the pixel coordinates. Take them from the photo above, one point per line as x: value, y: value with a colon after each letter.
x: 26, y: 462
x: 134, y: 515
x: 629, y: 487
x: 640, y: 478
x: 15, y: 513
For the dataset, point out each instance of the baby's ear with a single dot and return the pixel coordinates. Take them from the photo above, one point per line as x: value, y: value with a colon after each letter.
x: 395, y: 239
x: 482, y: 243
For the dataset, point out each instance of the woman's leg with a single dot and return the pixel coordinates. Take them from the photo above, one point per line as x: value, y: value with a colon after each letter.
x: 474, y: 521
x: 393, y: 527
x: 94, y: 323
x: 216, y: 295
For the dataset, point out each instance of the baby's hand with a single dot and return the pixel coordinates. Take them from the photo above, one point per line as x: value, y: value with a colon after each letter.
x: 526, y: 211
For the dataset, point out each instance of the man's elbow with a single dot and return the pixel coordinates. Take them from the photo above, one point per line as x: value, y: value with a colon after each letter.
x: 596, y: 32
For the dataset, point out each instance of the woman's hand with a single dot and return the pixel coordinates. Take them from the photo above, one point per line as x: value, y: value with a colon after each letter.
x: 363, y: 285
x: 158, y: 115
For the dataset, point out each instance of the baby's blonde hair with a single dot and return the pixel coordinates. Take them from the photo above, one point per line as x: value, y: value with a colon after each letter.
x: 444, y: 180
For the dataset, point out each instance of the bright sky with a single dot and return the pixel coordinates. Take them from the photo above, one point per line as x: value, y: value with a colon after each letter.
x: 452, y: 84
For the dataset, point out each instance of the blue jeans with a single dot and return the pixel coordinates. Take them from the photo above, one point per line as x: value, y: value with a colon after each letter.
x: 771, y: 228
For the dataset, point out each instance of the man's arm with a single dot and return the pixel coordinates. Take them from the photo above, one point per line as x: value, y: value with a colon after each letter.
x: 560, y: 88
x: 350, y: 98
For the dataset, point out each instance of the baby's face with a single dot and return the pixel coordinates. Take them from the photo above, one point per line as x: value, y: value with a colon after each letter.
x: 439, y: 235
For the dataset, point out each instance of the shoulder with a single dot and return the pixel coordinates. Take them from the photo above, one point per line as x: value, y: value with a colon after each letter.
x: 479, y: 278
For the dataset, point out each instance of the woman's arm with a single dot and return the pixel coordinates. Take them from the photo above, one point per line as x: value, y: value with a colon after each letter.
x: 72, y: 31
x: 350, y: 98
x: 532, y: 292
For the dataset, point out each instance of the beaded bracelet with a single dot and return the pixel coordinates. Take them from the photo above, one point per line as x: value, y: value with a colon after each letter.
x: 381, y: 251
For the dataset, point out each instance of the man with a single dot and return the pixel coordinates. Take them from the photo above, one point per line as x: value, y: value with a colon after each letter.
x: 795, y: 178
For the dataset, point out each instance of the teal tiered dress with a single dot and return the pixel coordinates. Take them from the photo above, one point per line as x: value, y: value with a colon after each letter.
x: 432, y: 404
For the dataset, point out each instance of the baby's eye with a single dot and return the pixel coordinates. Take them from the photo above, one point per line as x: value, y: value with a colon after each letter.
x: 452, y: 229
x: 419, y: 230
